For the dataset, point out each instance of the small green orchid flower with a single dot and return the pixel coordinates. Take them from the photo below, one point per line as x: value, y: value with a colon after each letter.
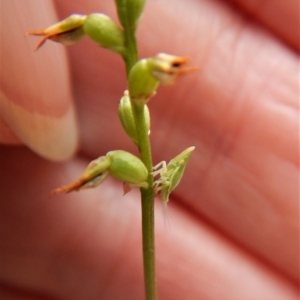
x: 148, y: 73
x: 121, y: 164
x: 171, y: 173
x: 97, y: 26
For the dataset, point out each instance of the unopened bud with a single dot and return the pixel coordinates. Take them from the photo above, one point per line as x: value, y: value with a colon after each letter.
x: 127, y: 118
x: 129, y: 12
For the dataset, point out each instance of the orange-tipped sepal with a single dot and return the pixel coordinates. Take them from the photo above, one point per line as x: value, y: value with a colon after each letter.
x: 81, y: 183
x: 167, y: 68
x: 67, y: 31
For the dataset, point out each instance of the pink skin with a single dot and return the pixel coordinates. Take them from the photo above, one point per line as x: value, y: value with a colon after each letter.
x: 234, y: 218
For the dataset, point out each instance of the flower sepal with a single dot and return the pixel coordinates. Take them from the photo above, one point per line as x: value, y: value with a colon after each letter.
x: 67, y: 31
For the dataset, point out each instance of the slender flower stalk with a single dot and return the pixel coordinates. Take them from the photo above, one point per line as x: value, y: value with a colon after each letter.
x: 129, y: 23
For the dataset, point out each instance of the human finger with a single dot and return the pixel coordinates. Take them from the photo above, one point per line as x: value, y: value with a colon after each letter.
x: 280, y: 17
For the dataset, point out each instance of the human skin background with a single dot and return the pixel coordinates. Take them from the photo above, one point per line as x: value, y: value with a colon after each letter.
x: 234, y: 219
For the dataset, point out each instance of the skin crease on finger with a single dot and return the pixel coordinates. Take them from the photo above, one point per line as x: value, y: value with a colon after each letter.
x: 282, y: 17
x: 245, y: 164
x: 90, y: 226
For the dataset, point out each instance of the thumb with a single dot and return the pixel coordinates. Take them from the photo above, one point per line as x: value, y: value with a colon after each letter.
x: 35, y: 95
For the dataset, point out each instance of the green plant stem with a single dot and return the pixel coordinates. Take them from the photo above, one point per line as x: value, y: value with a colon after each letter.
x: 147, y: 205
x: 148, y: 242
x: 131, y: 54
x: 147, y: 195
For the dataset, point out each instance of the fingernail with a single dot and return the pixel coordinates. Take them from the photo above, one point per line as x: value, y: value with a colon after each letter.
x: 35, y: 94
x: 52, y: 138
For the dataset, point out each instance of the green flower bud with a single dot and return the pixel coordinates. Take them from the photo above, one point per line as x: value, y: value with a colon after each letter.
x: 120, y: 164
x: 127, y: 168
x: 104, y: 31
x: 146, y: 74
x: 67, y: 31
x: 171, y: 174
x: 129, y: 12
x: 127, y: 118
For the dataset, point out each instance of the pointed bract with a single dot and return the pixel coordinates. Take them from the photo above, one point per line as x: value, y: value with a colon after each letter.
x: 171, y: 173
